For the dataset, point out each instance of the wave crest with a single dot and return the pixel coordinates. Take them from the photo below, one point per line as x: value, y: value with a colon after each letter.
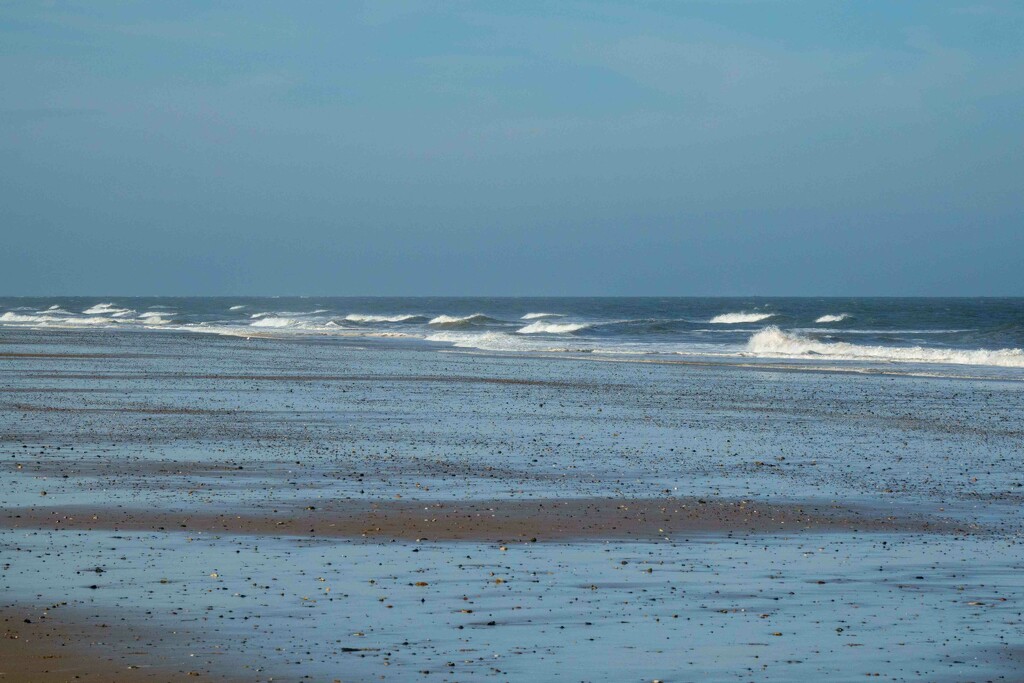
x: 110, y: 309
x: 11, y: 317
x: 457, y: 320
x: 830, y: 318
x: 741, y: 317
x: 552, y: 328
x: 273, y: 321
x: 534, y: 316
x: 772, y: 341
x: 366, y: 318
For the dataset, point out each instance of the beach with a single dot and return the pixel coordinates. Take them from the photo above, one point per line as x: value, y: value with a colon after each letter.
x: 183, y: 506
x: 587, y: 342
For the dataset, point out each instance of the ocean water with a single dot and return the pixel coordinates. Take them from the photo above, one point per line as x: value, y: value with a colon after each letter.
x: 949, y: 337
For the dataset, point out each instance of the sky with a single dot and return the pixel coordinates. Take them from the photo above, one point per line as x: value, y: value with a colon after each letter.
x: 691, y: 147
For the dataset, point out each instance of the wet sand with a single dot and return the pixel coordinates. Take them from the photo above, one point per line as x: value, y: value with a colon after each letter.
x: 496, y: 520
x: 58, y: 644
x: 317, y: 511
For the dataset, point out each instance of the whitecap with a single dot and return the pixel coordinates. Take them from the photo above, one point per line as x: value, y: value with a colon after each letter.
x: 830, y: 318
x: 534, y: 316
x: 273, y: 321
x: 741, y: 317
x: 494, y: 341
x: 367, y: 318
x: 553, y: 328
x: 108, y: 309
x: 292, y: 314
x: 774, y: 342
x: 11, y: 317
x: 45, y: 320
x: 456, y: 320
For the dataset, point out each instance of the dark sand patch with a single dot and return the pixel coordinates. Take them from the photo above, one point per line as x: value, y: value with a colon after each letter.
x: 58, y: 644
x: 494, y: 521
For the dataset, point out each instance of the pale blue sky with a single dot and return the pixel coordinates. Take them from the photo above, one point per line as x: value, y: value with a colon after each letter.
x: 685, y: 147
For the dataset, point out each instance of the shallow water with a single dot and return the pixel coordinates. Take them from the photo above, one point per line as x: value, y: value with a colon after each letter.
x: 183, y: 421
x: 779, y: 609
x: 967, y: 337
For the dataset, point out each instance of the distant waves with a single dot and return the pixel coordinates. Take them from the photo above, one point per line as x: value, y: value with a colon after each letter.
x: 887, y: 333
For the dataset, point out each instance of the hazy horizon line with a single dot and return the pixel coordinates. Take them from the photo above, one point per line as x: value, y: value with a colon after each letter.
x: 515, y: 296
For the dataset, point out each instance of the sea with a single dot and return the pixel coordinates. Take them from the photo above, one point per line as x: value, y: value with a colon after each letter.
x: 968, y: 337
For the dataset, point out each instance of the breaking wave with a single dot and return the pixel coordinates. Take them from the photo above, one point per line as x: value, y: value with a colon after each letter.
x: 51, y: 320
x: 110, y: 309
x: 463, y: 320
x: 361, y: 318
x: 553, y: 328
x: 10, y: 317
x: 273, y: 321
x: 774, y: 342
x: 832, y: 318
x: 500, y: 342
x: 741, y: 317
x: 534, y: 316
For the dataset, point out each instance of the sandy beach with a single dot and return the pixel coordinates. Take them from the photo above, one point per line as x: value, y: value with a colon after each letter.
x: 449, y: 342
x: 183, y: 507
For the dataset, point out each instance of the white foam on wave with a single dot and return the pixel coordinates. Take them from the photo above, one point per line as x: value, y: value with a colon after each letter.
x: 108, y: 309
x: 494, y: 341
x: 288, y: 314
x: 92, y: 320
x: 552, y: 328
x: 367, y: 318
x: 505, y: 342
x: 268, y: 320
x: 777, y: 343
x: 11, y: 317
x: 741, y: 317
x: 456, y: 320
x: 830, y: 318
x: 154, y: 314
x: 43, y: 320
x: 237, y: 308
x: 283, y: 328
x: 534, y: 316
x: 829, y: 330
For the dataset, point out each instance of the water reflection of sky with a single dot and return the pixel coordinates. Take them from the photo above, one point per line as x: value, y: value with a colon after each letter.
x: 781, y: 609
